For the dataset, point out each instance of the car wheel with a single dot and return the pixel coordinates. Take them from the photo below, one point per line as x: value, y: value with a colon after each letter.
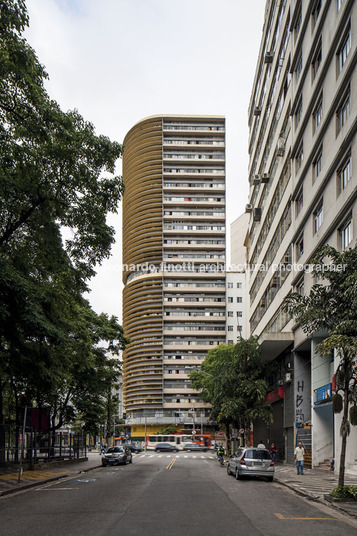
x: 228, y: 470
x: 270, y: 478
x: 237, y: 475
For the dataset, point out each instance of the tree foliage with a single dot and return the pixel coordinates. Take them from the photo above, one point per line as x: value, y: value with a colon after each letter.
x: 232, y: 380
x: 331, y: 308
x: 55, y: 173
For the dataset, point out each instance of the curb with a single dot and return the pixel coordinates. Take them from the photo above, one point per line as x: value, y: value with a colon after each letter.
x: 38, y: 483
x: 321, y: 500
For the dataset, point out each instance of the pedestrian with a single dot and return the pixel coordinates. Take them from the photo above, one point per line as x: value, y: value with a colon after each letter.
x: 299, y: 458
x: 261, y: 445
x: 273, y: 450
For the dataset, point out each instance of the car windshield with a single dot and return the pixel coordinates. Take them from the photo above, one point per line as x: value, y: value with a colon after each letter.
x: 254, y: 454
x: 115, y: 449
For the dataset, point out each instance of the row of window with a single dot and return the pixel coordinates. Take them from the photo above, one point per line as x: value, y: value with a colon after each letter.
x: 239, y: 314
x: 345, y: 234
x: 343, y: 176
x: 192, y: 141
x: 194, y: 185
x: 193, y: 199
x: 342, y: 113
x: 183, y: 227
x: 230, y: 299
x: 194, y: 170
x: 230, y: 284
x: 195, y: 156
x: 192, y: 242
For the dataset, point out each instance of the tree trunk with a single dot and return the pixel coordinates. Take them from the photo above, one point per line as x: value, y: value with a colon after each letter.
x: 2, y: 427
x: 344, y: 428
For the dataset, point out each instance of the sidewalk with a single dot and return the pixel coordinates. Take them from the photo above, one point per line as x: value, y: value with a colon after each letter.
x: 315, y: 484
x: 46, y: 473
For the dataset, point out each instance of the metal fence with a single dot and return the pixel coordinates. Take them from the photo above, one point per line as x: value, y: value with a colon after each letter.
x: 36, y: 447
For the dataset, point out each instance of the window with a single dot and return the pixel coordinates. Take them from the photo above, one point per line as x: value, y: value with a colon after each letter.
x: 316, y: 62
x: 317, y: 165
x: 343, y: 111
x: 299, y: 158
x: 300, y: 247
x: 230, y: 328
x: 346, y: 234
x: 300, y: 287
x: 315, y: 12
x: 298, y: 113
x: 230, y: 285
x: 230, y: 313
x: 230, y: 299
x: 318, y: 216
x: 230, y: 341
x: 339, y: 4
x: 344, y: 49
x: 317, y: 115
x: 297, y: 24
x: 299, y: 201
x: 239, y: 285
x: 239, y: 314
x: 239, y: 299
x: 298, y: 67
x: 344, y: 175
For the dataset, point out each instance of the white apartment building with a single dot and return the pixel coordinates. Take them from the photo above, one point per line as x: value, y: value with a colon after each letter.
x: 236, y: 307
x: 302, y: 148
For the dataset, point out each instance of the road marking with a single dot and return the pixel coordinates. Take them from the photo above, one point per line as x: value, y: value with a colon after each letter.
x: 194, y: 456
x: 171, y: 463
x: 280, y: 516
x: 160, y: 456
x: 185, y: 456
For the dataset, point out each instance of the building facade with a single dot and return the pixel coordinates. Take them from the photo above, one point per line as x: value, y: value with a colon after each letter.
x: 174, y: 256
x: 302, y: 146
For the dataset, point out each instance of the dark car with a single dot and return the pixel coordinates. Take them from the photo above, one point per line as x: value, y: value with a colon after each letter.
x: 194, y: 447
x: 117, y: 456
x: 250, y: 461
x: 133, y: 447
x: 166, y: 447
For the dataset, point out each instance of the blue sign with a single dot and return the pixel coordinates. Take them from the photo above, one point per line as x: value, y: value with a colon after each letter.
x: 323, y: 393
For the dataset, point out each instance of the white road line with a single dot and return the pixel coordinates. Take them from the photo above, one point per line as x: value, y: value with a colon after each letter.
x: 185, y: 456
x: 194, y: 456
x: 160, y: 456
x: 151, y: 455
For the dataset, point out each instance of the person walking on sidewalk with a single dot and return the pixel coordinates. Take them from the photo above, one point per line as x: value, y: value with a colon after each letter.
x: 299, y: 458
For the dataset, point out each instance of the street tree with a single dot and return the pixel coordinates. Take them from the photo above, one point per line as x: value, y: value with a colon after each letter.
x: 232, y: 379
x: 56, y: 175
x: 331, y: 308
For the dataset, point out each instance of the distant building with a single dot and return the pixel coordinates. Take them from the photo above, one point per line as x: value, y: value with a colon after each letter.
x: 302, y: 148
x: 174, y: 256
x: 236, y: 307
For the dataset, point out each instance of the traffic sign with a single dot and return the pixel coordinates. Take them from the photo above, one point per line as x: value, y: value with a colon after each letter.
x: 193, y: 432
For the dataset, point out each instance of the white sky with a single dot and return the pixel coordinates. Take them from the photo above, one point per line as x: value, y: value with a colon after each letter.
x: 118, y: 61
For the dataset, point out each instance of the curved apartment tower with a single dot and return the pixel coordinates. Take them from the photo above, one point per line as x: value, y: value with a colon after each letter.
x: 173, y: 264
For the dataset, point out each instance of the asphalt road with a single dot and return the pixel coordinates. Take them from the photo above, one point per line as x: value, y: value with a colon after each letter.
x: 166, y: 495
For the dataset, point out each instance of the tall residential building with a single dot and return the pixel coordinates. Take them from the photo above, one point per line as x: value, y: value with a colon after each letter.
x: 174, y: 264
x: 302, y: 147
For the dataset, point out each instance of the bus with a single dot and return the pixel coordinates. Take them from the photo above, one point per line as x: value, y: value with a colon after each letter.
x: 178, y: 440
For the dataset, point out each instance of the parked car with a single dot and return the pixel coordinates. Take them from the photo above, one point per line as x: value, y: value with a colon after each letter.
x: 195, y: 447
x: 250, y: 461
x: 117, y: 456
x: 133, y: 447
x: 166, y: 447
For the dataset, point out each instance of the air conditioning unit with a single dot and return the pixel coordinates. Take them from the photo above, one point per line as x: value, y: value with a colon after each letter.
x: 280, y: 148
x: 265, y: 178
x: 256, y: 180
x: 257, y: 214
x: 248, y: 208
x: 257, y: 110
x: 280, y: 383
x: 288, y: 377
x: 268, y: 57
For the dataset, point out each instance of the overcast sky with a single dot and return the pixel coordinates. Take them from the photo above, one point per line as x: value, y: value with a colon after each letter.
x: 118, y: 61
